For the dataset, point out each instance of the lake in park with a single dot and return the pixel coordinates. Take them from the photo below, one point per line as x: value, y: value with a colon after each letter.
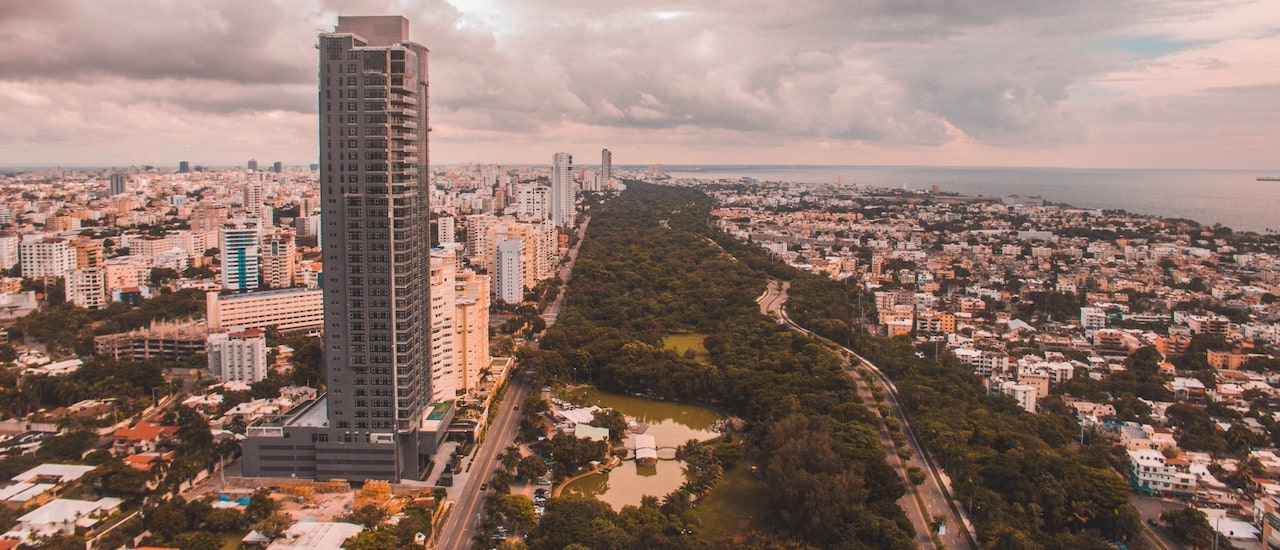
x: 670, y: 423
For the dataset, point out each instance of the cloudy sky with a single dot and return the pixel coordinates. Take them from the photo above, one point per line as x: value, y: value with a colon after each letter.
x: 1079, y: 83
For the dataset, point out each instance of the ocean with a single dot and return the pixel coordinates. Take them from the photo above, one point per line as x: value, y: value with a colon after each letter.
x: 1233, y: 198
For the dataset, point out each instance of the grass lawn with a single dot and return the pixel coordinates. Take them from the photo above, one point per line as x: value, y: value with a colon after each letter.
x: 688, y: 341
x: 738, y: 504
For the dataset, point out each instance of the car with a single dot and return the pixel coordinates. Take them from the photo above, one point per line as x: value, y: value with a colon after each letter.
x: 484, y: 486
x: 544, y: 481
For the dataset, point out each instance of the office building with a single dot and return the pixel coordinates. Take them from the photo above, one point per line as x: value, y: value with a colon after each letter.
x: 252, y: 165
x: 562, y: 190
x: 241, y: 255
x: 238, y: 356
x: 116, y: 185
x: 184, y: 167
x: 277, y: 167
x: 376, y: 421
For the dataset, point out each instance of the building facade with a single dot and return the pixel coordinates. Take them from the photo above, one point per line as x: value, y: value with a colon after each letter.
x: 289, y: 310
x: 562, y: 190
x: 509, y: 272
x: 238, y: 356
x: 375, y: 224
x: 241, y: 255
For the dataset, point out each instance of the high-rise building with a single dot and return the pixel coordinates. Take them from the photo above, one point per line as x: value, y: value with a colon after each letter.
x: 375, y: 421
x: 184, y: 167
x: 241, y: 255
x: 252, y: 165
x: 562, y: 190
x: 116, y: 186
x: 606, y: 166
x: 9, y: 250
x: 277, y: 167
x: 509, y: 271
x: 444, y: 360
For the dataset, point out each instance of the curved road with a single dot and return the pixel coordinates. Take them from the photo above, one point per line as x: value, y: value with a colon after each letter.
x: 937, y: 500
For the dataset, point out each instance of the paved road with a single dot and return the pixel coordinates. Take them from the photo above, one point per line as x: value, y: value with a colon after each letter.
x: 937, y: 500
x: 460, y: 528
x: 467, y: 511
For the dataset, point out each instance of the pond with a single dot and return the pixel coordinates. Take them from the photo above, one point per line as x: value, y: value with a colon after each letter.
x: 671, y: 424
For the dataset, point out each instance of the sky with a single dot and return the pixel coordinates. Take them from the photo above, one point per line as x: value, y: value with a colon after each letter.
x: 1079, y: 83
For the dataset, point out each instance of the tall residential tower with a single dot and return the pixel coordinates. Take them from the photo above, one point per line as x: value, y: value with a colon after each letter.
x: 562, y: 191
x: 374, y: 422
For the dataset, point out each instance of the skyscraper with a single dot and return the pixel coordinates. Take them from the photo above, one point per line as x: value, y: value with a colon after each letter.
x: 184, y: 167
x: 562, y: 192
x: 117, y: 184
x: 374, y: 422
x: 252, y: 165
x: 606, y: 167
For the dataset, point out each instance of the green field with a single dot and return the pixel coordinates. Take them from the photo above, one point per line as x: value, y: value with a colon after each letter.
x: 688, y: 341
x: 739, y: 503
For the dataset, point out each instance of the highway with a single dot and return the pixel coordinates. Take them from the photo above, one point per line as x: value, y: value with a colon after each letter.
x: 937, y: 500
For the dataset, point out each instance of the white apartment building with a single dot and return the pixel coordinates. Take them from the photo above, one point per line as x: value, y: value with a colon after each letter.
x: 9, y: 251
x: 444, y: 362
x: 288, y: 310
x: 238, y: 356
x: 1152, y: 473
x: 46, y: 257
x: 445, y: 229
x: 1024, y: 394
x: 1092, y: 318
x: 241, y: 255
x: 509, y: 272
x: 86, y: 287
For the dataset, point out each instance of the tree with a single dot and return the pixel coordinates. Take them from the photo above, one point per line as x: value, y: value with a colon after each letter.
x: 261, y: 506
x: 531, y: 468
x: 369, y: 515
x: 518, y: 510
x: 1190, y: 525
x: 197, y: 540
x: 613, y: 420
x: 371, y: 540
x: 274, y: 525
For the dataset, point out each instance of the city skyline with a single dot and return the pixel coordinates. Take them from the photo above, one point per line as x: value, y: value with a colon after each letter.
x: 1105, y: 84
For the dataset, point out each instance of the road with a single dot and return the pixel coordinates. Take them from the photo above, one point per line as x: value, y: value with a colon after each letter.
x: 467, y: 512
x: 566, y: 272
x: 937, y: 500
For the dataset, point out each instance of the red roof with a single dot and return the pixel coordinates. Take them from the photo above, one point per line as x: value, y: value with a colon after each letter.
x: 143, y: 431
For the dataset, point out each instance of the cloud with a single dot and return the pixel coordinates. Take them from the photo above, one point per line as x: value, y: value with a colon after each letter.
x: 919, y: 78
